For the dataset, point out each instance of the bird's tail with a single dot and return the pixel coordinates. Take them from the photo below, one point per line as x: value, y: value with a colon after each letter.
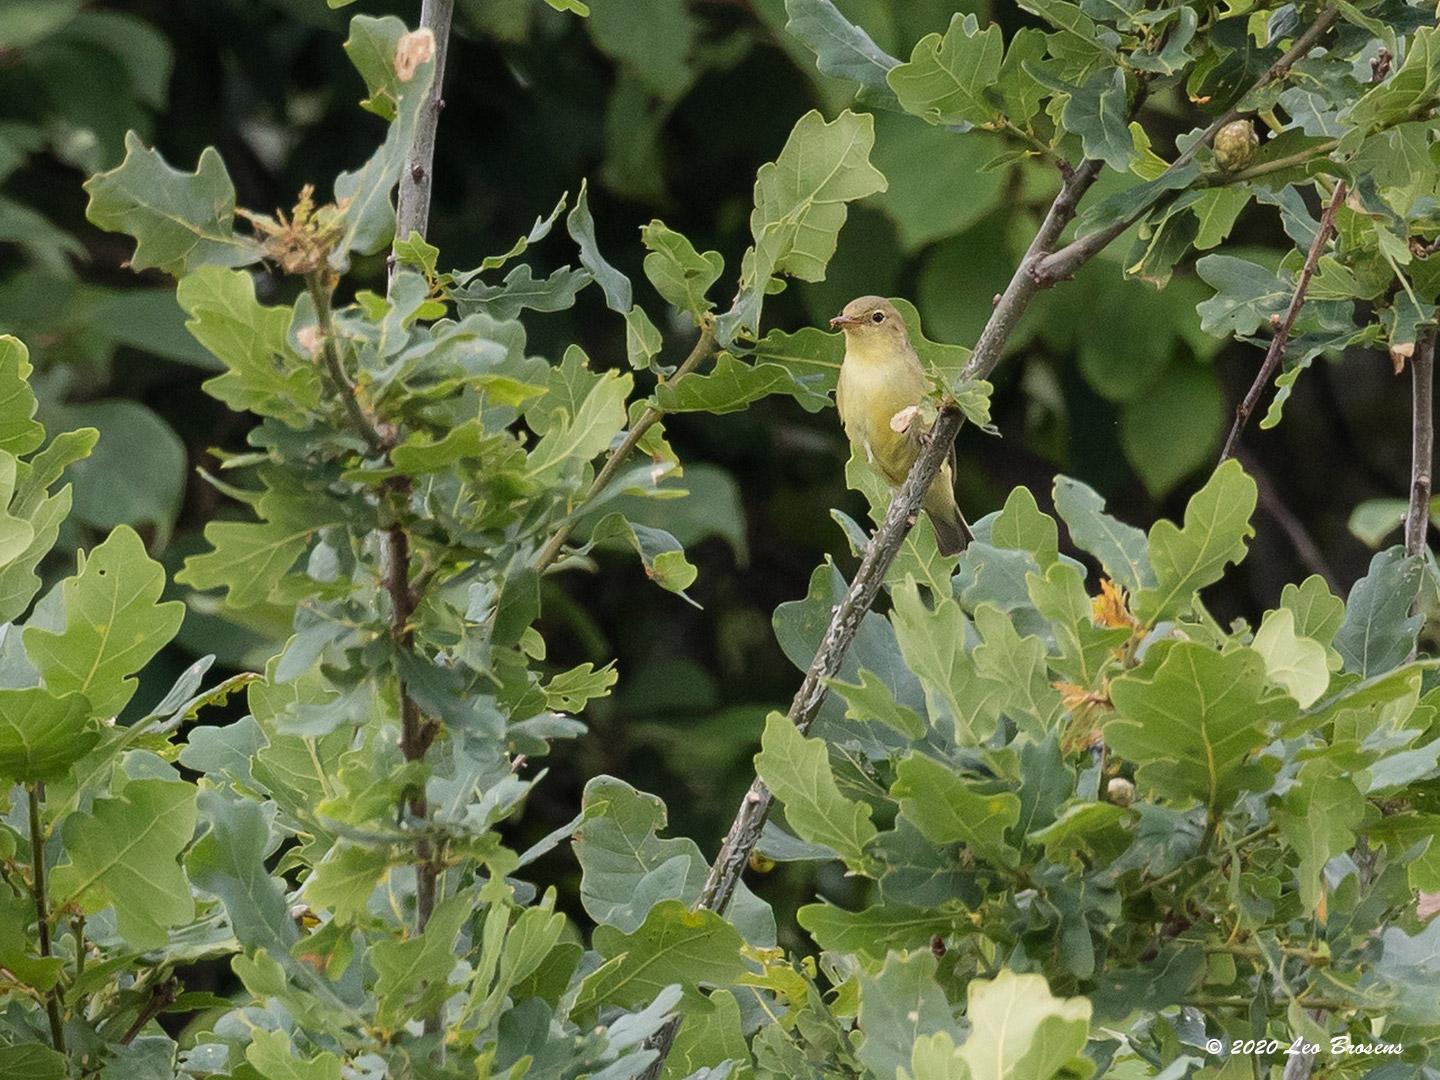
x: 951, y: 529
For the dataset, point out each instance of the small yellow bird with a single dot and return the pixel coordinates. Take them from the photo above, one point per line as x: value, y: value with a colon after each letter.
x: 879, y: 392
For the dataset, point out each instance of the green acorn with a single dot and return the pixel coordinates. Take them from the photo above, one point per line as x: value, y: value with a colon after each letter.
x: 1235, y: 145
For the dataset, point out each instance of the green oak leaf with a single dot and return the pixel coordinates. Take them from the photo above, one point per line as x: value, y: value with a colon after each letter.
x: 1318, y: 818
x: 228, y: 862
x: 343, y: 882
x: 625, y: 867
x: 19, y: 956
x: 123, y: 853
x: 366, y: 218
x: 1085, y: 648
x: 570, y: 691
x: 1018, y: 1028
x: 900, y: 1003
x: 1121, y: 549
x: 180, y: 221
x: 1097, y: 111
x: 881, y: 929
x: 948, y: 810
x: 42, y: 735
x: 20, y: 433
x: 800, y: 206
x: 114, y: 624
x: 16, y: 534
x: 797, y: 770
x: 660, y: 553
x: 586, y: 432
x: 1293, y: 661
x: 1378, y: 630
x: 1019, y: 665
x: 1185, y: 560
x: 873, y: 700
x: 248, y: 558
x: 265, y: 375
x: 581, y: 227
x: 1406, y: 93
x: 412, y: 975
x: 1192, y: 722
x: 371, y: 48
x: 673, y: 945
x: 522, y: 290
x: 728, y: 387
x: 947, y: 79
x: 842, y: 49
x: 18, y: 580
x: 1022, y: 526
x: 958, y: 696
x: 642, y: 338
x: 1246, y: 295
x: 679, y: 273
x: 276, y: 1058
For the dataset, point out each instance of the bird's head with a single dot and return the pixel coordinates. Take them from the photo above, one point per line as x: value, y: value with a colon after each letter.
x: 871, y: 320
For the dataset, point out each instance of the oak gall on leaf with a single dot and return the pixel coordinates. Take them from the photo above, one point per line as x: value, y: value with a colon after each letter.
x: 1235, y: 145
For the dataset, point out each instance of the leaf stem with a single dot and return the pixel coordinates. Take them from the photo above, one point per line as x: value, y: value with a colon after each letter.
x: 704, y: 346
x: 319, y: 290
x: 35, y: 794
x: 1276, y: 351
x: 1036, y: 144
x: 1253, y: 952
x: 1264, y: 168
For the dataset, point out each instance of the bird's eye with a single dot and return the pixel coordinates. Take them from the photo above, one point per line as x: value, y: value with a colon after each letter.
x: 878, y: 317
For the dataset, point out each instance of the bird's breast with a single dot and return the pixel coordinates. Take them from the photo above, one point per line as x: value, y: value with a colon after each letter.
x: 871, y: 393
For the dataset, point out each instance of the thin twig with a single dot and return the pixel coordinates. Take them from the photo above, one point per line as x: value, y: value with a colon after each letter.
x: 704, y: 346
x: 35, y: 793
x: 1286, y: 323
x: 1422, y: 442
x: 1305, y: 546
x: 161, y: 996
x: 319, y: 290
x: 412, y: 213
x: 1063, y: 263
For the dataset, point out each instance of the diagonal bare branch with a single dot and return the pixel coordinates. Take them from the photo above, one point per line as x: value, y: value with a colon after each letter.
x: 1286, y: 323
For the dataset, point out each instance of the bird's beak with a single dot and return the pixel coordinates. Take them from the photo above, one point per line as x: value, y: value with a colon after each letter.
x: 841, y: 321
